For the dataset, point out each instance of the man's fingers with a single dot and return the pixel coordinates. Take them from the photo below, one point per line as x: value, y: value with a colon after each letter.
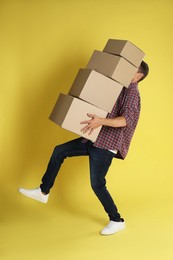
x: 90, y: 115
x: 85, y: 122
x: 91, y: 131
x: 87, y: 129
x: 88, y: 121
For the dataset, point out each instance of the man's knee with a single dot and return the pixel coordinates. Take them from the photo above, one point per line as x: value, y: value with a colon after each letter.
x: 97, y: 184
x: 58, y: 153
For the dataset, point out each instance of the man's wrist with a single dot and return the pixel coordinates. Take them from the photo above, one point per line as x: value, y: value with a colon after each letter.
x: 104, y: 121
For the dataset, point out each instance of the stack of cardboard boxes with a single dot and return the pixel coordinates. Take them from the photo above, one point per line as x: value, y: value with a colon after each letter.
x: 97, y: 87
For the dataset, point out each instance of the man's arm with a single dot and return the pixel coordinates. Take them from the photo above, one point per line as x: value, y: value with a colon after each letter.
x: 96, y: 121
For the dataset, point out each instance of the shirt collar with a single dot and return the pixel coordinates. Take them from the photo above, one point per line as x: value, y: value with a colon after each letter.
x: 133, y: 85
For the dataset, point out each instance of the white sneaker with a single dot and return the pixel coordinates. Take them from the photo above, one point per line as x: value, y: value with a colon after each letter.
x: 113, y: 227
x: 35, y: 194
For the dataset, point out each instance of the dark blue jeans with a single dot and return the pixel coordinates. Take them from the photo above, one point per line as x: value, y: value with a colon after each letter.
x: 99, y: 159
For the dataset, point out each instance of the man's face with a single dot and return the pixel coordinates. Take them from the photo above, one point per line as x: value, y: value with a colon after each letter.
x: 137, y: 77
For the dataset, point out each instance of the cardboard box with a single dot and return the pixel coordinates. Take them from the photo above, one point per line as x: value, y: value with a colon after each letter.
x: 125, y: 49
x: 69, y: 111
x: 112, y: 66
x: 96, y: 89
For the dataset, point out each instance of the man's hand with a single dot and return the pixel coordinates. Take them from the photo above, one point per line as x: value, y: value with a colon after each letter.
x: 91, y: 124
x: 96, y: 121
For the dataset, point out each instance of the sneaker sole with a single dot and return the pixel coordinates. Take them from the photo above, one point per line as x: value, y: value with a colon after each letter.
x: 108, y: 234
x: 32, y: 197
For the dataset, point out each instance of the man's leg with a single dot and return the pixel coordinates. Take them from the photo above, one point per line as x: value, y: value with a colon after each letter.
x: 69, y: 149
x: 100, y: 160
x: 61, y: 152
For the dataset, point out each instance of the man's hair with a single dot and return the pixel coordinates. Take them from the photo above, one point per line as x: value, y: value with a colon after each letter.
x: 143, y: 68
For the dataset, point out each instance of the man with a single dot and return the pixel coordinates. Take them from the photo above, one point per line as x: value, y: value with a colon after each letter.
x: 113, y: 141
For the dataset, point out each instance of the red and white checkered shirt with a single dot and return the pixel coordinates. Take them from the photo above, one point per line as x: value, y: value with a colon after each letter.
x: 119, y: 138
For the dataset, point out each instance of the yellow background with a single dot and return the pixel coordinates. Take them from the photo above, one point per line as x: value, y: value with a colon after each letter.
x: 42, y: 46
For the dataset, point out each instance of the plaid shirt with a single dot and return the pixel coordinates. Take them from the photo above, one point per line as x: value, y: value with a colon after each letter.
x: 119, y: 138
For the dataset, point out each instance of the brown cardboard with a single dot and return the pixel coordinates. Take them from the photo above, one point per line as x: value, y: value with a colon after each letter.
x: 96, y: 89
x: 125, y: 49
x: 69, y: 111
x: 112, y: 66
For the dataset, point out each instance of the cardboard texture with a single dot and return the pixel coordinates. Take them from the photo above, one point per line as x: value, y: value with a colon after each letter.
x: 125, y: 49
x: 96, y: 89
x: 112, y: 66
x: 69, y: 111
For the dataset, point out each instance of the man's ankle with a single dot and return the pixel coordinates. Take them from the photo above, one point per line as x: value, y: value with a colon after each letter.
x: 43, y: 193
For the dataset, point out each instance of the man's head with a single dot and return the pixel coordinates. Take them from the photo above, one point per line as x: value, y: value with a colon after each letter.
x: 142, y: 72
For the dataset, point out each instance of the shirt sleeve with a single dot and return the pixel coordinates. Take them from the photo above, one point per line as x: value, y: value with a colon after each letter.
x: 131, y: 107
